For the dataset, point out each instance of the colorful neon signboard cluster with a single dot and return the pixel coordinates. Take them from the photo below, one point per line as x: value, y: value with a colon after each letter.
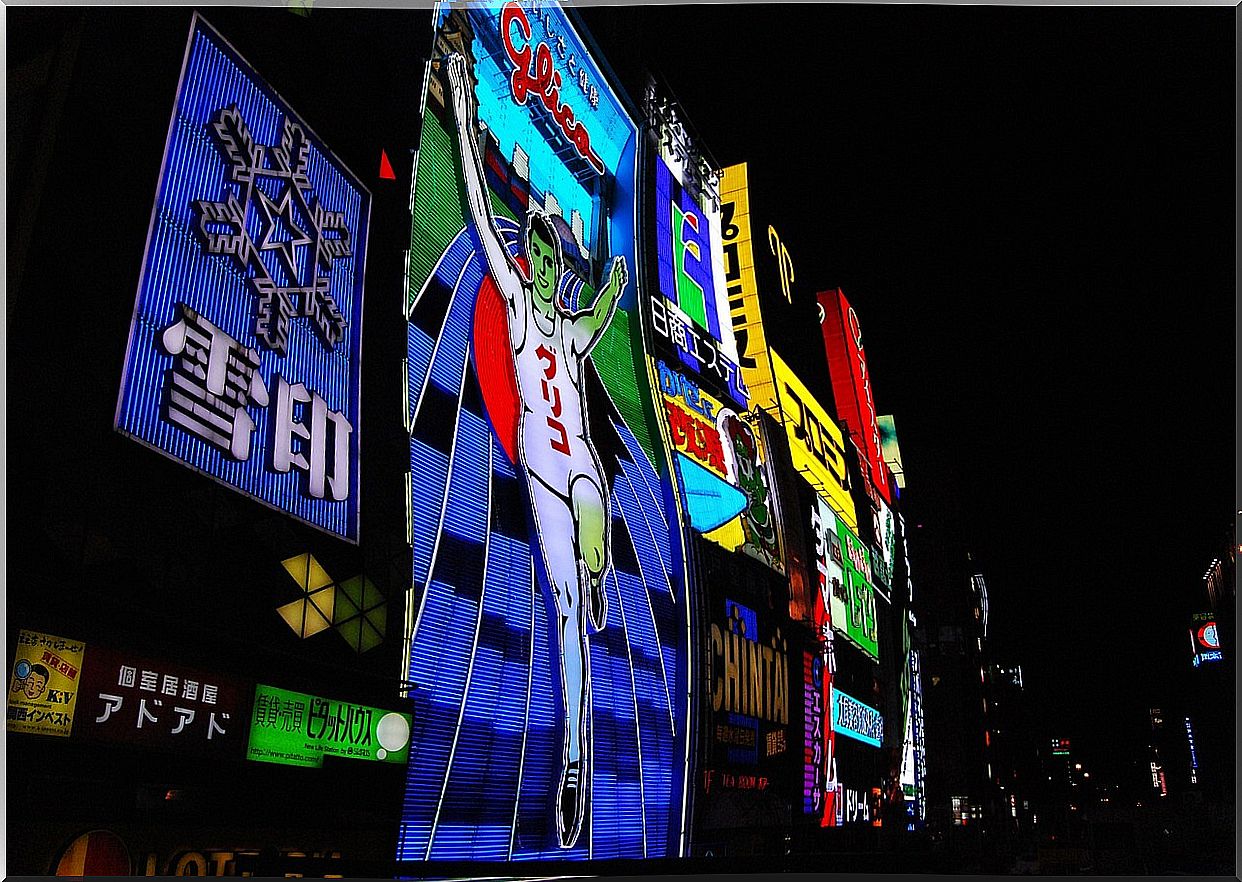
x: 244, y: 353
x: 725, y: 477
x: 549, y: 620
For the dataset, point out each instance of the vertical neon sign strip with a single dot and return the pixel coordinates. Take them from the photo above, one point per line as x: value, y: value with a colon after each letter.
x: 178, y: 269
x: 483, y: 777
x: 851, y: 383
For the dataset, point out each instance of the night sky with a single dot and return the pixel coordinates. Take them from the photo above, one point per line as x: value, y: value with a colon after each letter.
x: 1031, y: 210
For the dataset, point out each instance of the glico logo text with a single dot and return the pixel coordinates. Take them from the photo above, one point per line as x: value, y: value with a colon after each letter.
x: 542, y: 80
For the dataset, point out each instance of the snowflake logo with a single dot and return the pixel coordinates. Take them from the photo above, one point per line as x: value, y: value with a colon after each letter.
x: 290, y: 268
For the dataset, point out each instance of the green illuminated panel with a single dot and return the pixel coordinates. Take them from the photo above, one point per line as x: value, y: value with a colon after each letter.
x: 861, y: 626
x: 437, y: 216
x: 294, y: 729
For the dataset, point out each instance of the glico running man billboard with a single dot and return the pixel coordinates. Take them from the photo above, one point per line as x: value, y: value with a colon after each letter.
x: 548, y: 626
x: 244, y: 352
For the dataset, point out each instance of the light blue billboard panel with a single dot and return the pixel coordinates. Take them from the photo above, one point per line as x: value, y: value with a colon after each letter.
x: 244, y: 352
x: 856, y: 720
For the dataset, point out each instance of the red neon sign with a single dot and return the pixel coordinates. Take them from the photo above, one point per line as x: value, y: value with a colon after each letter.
x: 1208, y: 637
x: 851, y: 384
x: 540, y: 79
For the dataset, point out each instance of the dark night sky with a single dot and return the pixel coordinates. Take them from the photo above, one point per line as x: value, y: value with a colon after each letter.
x: 1031, y: 210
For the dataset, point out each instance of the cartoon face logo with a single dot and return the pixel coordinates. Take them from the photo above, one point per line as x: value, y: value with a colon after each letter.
x: 30, y: 680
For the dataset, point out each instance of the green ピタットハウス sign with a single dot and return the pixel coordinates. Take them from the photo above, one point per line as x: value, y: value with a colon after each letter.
x: 295, y: 729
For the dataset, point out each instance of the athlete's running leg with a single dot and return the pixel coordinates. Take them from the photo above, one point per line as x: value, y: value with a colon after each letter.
x: 555, y: 521
x: 591, y: 543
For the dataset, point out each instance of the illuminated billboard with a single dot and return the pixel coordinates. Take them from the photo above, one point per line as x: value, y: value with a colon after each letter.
x: 44, y: 684
x: 726, y: 476
x: 1204, y: 640
x: 818, y: 784
x: 162, y: 704
x: 852, y: 718
x: 751, y: 771
x: 815, y: 443
x: 726, y: 481
x: 883, y: 549
x: 851, y: 384
x: 244, y: 351
x: 547, y: 628
x: 295, y: 729
x: 743, y: 291
x: 832, y: 606
x: 891, y: 449
x: 860, y: 624
x: 689, y: 306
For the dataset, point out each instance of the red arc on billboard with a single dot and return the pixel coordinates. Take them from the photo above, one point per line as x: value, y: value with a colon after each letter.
x: 851, y: 384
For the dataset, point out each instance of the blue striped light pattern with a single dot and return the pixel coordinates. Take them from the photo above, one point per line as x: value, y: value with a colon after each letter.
x: 176, y: 269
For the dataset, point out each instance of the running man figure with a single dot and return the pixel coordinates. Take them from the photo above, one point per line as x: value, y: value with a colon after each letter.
x: 562, y: 470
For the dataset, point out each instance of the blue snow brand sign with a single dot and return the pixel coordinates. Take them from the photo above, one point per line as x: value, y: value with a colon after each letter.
x: 244, y: 352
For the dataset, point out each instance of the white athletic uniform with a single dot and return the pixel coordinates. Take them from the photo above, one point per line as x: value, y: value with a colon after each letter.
x: 552, y: 441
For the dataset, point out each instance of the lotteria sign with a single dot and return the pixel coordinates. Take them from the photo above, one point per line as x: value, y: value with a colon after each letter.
x: 852, y: 718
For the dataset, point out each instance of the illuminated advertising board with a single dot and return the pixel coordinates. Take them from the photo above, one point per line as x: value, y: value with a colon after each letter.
x: 295, y: 729
x: 749, y: 679
x: 851, y: 384
x: 818, y: 797
x: 815, y: 443
x: 891, y: 449
x: 244, y: 352
x: 751, y: 769
x: 164, y: 704
x: 852, y: 718
x: 689, y: 307
x: 1204, y: 640
x: 833, y: 603
x: 860, y: 624
x: 743, y: 291
x: 1194, y: 756
x: 548, y: 624
x: 920, y: 736
x: 883, y: 549
x: 44, y: 684
x: 729, y: 488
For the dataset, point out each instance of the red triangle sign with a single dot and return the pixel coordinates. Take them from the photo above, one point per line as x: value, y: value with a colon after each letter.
x: 386, y: 172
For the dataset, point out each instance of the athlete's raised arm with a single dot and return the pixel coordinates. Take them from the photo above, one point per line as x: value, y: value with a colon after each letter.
x: 589, y: 326
x: 503, y: 269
